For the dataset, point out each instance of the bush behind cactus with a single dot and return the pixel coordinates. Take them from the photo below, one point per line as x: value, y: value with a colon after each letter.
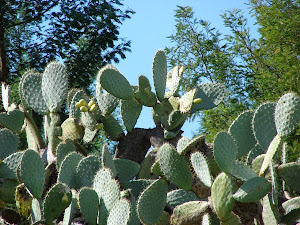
x: 180, y: 181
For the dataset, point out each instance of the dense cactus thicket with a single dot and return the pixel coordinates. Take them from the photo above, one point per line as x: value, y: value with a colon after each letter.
x: 242, y: 178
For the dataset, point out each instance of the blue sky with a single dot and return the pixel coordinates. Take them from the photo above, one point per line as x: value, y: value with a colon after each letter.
x: 148, y: 30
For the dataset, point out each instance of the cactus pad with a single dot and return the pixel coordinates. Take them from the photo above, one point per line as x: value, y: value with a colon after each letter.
x: 274, y: 146
x: 86, y: 171
x: 13, y: 120
x: 67, y: 172
x: 31, y: 91
x: 33, y: 172
x: 264, y: 125
x: 152, y: 201
x: 8, y: 143
x: 56, y: 201
x: 212, y: 94
x: 54, y: 85
x: 115, y: 83
x: 126, y: 169
x: 201, y: 168
x: 9, y: 166
x: 242, y: 172
x: 186, y: 101
x: 173, y: 80
x: 253, y: 190
x: 144, y: 95
x: 225, y: 150
x: 287, y: 114
x: 102, y: 177
x: 241, y: 130
x: 290, y: 173
x: 112, y: 127
x: 189, y: 213
x: 107, y: 160
x: 159, y: 69
x: 88, y: 203
x: 120, y: 213
x: 222, y: 192
x: 180, y: 196
x: 174, y: 167
x: 130, y: 112
x: 62, y: 150
x: 71, y: 129
x: 270, y: 214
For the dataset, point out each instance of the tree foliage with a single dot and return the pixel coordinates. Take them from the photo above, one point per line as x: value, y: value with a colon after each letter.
x: 254, y: 70
x: 82, y: 34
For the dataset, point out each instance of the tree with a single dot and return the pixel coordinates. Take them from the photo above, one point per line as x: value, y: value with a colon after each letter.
x: 253, y: 70
x: 82, y: 34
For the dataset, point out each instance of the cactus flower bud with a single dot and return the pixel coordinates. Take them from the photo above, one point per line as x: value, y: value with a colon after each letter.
x: 197, y: 100
x: 78, y: 105
x: 91, y: 103
x: 65, y: 199
x: 82, y: 102
x: 83, y: 109
x: 93, y: 108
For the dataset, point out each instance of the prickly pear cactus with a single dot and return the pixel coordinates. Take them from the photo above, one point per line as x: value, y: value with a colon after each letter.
x: 242, y: 178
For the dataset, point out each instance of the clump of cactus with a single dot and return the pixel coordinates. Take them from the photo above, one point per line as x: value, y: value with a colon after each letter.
x: 243, y: 178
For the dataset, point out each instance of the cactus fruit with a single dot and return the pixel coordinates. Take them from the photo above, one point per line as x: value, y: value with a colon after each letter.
x: 197, y: 101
